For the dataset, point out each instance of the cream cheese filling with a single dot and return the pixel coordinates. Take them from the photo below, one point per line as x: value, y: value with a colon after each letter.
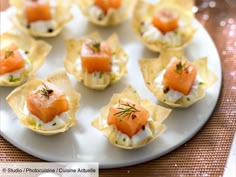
x: 152, y: 34
x: 172, y: 95
x: 17, y: 74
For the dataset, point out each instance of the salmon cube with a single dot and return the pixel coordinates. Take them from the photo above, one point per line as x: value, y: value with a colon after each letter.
x: 180, y: 76
x: 165, y: 21
x: 46, y: 102
x: 96, y: 57
x: 10, y: 59
x: 129, y: 118
x: 37, y: 10
x: 105, y: 5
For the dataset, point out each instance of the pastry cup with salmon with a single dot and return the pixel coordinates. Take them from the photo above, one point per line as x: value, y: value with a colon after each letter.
x: 130, y: 122
x: 42, y: 18
x: 106, y: 12
x: 166, y: 25
x: 180, y: 83
x: 94, y: 61
x: 46, y: 106
x: 20, y: 57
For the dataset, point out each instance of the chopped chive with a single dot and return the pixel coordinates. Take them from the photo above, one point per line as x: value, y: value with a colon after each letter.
x: 12, y: 79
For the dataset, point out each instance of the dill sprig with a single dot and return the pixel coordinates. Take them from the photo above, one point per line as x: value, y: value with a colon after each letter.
x: 45, y: 91
x: 126, y: 110
x: 180, y: 67
x: 8, y: 53
x: 96, y: 46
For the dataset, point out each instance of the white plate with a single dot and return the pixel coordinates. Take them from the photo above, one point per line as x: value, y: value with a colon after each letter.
x: 84, y: 143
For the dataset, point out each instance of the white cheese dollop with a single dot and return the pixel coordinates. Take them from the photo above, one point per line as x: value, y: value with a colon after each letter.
x: 100, y: 77
x: 57, y: 122
x: 142, y: 135
x: 172, y: 95
x: 98, y: 14
x: 45, y: 26
x: 17, y: 74
x: 151, y: 34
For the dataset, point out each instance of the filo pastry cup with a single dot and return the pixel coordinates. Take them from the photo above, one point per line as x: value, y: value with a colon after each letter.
x: 73, y: 64
x: 152, y: 68
x: 35, y: 52
x: 176, y: 40
x: 112, y: 17
x: 17, y: 99
x: 61, y: 15
x: 157, y: 115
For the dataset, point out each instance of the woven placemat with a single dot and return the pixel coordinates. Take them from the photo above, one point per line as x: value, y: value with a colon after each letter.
x: 206, y: 153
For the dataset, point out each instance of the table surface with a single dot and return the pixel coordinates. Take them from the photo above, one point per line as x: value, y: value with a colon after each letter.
x: 206, y: 153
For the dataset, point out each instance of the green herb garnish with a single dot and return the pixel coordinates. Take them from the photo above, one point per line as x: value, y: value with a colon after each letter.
x: 12, y: 79
x: 45, y: 91
x: 200, y: 83
x: 96, y: 47
x: 8, y: 53
x: 126, y: 110
x: 101, y: 74
x: 180, y: 67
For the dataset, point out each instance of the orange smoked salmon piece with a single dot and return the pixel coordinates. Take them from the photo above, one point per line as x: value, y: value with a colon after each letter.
x: 37, y: 10
x: 129, y: 125
x: 47, y: 107
x: 10, y: 59
x: 180, y: 76
x: 96, y: 59
x: 165, y: 21
x: 105, y: 5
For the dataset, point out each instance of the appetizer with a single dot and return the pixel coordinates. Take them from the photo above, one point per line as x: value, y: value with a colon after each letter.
x: 43, y: 18
x: 46, y: 106
x: 20, y: 57
x: 130, y: 122
x: 96, y: 62
x: 106, y: 12
x: 166, y: 25
x: 180, y: 83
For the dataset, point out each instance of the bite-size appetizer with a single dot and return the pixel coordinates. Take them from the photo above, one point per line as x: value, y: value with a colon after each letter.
x: 106, y: 12
x: 130, y: 122
x: 46, y: 106
x: 180, y: 83
x: 95, y: 62
x: 166, y: 25
x: 43, y: 18
x: 20, y: 57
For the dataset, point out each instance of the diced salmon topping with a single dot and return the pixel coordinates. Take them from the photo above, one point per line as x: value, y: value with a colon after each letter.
x: 105, y: 5
x: 129, y: 118
x: 165, y: 20
x: 47, y: 101
x: 10, y: 59
x: 180, y: 76
x: 96, y: 57
x: 36, y: 10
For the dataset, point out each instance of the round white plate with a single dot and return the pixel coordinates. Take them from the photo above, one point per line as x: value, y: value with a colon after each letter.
x: 83, y: 143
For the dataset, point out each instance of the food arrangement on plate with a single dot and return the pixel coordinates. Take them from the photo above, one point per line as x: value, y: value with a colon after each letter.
x: 49, y: 106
